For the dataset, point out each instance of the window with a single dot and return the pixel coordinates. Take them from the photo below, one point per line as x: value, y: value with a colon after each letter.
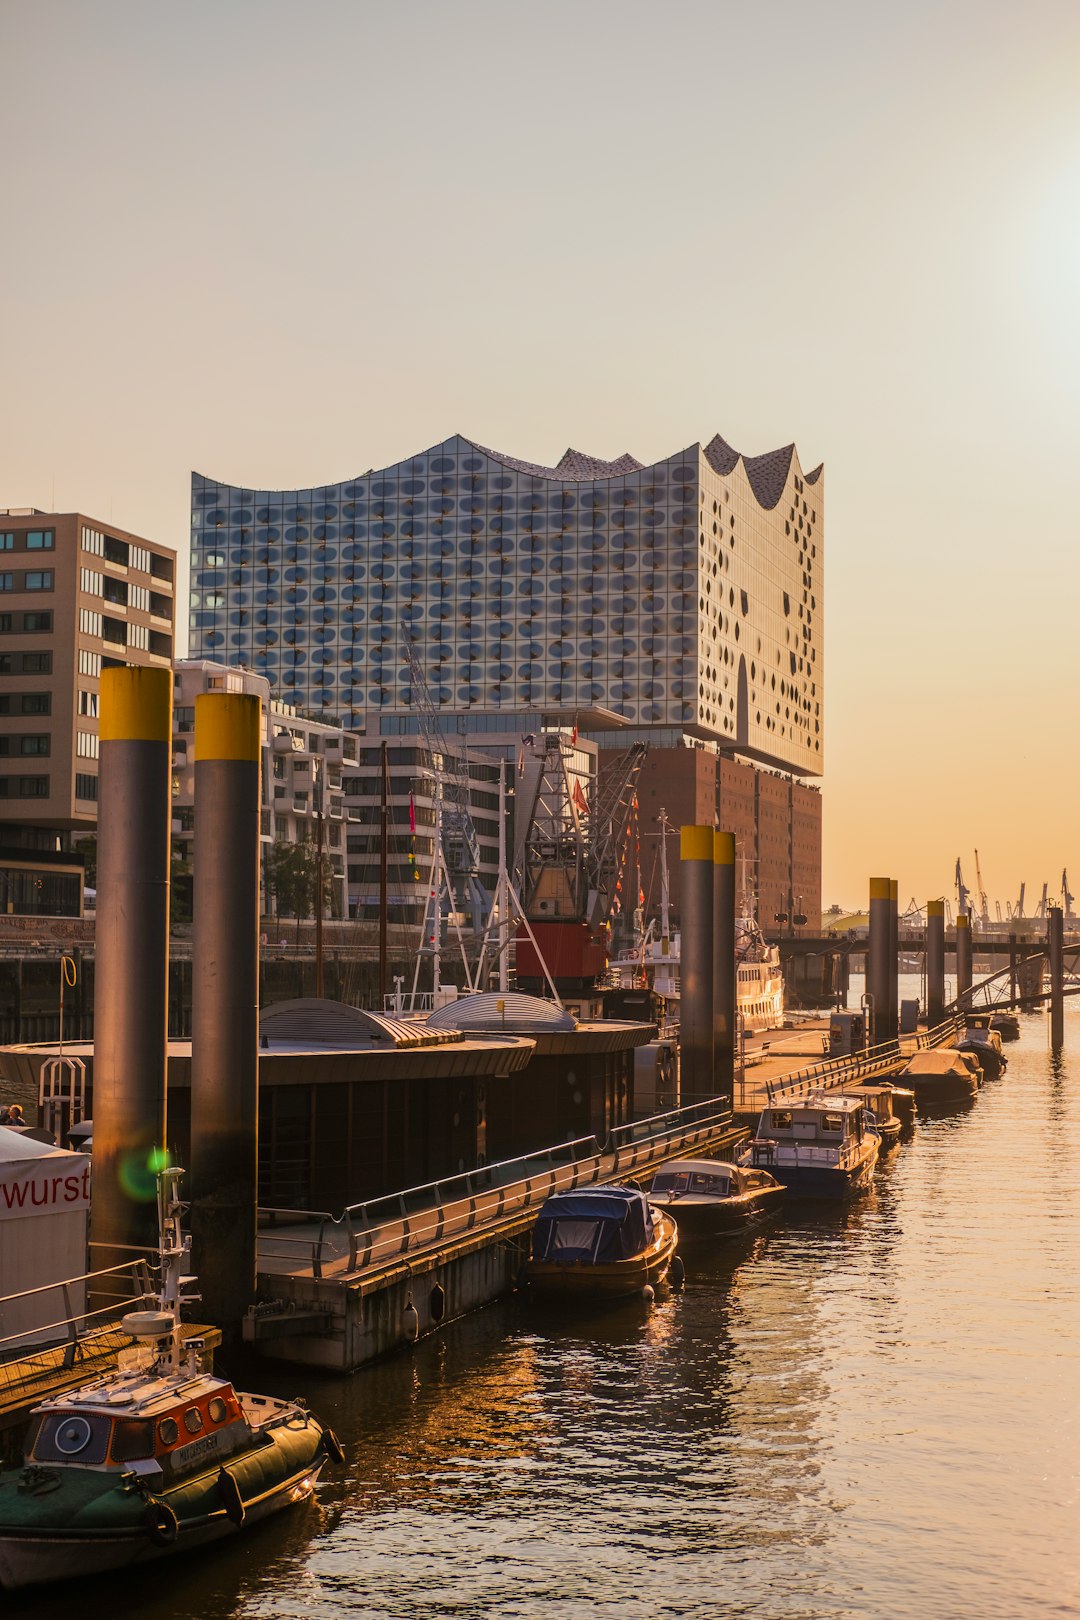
x: 39, y: 581
x: 6, y: 663
x: 5, y: 705
x: 7, y: 582
x: 94, y: 542
x: 36, y: 703
x: 39, y: 539
x: 89, y: 662
x: 86, y: 744
x: 5, y: 622
x: 88, y: 703
x: 89, y: 623
x: 138, y: 635
x: 90, y: 581
x: 33, y: 787
x: 86, y: 787
x: 7, y: 542
x: 37, y: 622
x: 34, y: 744
x: 37, y: 663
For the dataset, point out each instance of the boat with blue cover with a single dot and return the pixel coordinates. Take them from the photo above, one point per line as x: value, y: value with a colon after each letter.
x: 155, y: 1459
x: 600, y: 1243
x: 821, y: 1146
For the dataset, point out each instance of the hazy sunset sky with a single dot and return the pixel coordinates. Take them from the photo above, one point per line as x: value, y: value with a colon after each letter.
x: 282, y: 243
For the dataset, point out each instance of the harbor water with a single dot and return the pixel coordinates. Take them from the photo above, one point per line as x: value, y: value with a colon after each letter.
x: 855, y: 1415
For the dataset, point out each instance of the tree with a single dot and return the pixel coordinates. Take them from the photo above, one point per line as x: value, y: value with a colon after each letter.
x: 291, y: 878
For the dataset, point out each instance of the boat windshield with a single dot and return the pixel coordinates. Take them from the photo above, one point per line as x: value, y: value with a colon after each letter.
x: 573, y: 1239
x: 692, y: 1181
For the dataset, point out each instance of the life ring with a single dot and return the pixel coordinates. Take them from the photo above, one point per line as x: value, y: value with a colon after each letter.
x: 333, y: 1446
x: 161, y: 1522
x: 231, y: 1500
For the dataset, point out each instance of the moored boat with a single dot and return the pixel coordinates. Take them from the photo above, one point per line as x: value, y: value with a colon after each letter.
x: 985, y: 1043
x: 157, y: 1458
x: 1007, y: 1025
x: 821, y: 1146
x: 941, y: 1076
x: 893, y: 1108
x: 712, y: 1198
x: 600, y: 1243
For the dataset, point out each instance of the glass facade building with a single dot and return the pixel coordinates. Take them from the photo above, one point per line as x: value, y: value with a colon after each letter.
x: 685, y: 596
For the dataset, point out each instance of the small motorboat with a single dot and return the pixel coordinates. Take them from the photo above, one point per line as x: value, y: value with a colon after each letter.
x: 712, y: 1198
x: 157, y: 1458
x: 600, y: 1243
x: 985, y: 1043
x: 821, y: 1146
x: 1007, y: 1025
x: 892, y: 1107
x: 942, y: 1076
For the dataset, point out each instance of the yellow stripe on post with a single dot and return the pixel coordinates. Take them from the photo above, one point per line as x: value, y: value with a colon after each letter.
x: 136, y: 705
x: 696, y: 843
x: 228, y: 725
x: 880, y: 888
x: 723, y: 849
x: 935, y: 908
x: 962, y: 920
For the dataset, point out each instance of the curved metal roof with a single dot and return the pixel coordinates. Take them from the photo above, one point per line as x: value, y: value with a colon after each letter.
x: 510, y: 1014
x: 310, y: 1021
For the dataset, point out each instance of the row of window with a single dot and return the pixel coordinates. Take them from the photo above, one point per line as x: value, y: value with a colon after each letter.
x: 32, y: 580
x: 26, y: 703
x: 24, y: 787
x: 125, y: 555
x: 35, y: 622
x: 86, y: 744
x: 30, y: 744
x: 27, y: 663
x: 34, y: 539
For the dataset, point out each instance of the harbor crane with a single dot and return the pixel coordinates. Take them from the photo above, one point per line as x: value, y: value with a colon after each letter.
x: 1067, y: 898
x: 963, y: 893
x: 984, y: 905
x: 1040, y: 910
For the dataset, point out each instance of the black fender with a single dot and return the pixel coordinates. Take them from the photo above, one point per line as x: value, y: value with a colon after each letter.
x: 161, y: 1522
x: 333, y: 1446
x: 231, y: 1500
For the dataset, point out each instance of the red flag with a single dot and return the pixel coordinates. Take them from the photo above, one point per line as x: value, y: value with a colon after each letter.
x: 579, y: 798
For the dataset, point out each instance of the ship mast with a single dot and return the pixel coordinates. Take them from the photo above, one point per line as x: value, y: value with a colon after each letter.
x: 665, y: 886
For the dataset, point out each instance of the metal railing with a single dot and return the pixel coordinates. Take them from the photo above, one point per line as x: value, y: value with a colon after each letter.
x: 382, y: 1230
x: 76, y: 1333
x: 852, y: 1069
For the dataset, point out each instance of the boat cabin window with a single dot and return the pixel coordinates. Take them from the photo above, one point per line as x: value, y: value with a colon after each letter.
x: 669, y: 1181
x: 781, y: 1119
x: 833, y: 1122
x: 717, y: 1186
x: 218, y: 1409
x: 132, y: 1438
x: 193, y: 1420
x: 81, y: 1437
x: 168, y: 1433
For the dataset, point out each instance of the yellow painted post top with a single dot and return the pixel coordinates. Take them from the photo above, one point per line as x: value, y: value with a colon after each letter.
x: 935, y: 908
x: 723, y: 848
x: 136, y: 705
x: 228, y: 725
x: 963, y: 920
x: 880, y: 888
x: 696, y: 844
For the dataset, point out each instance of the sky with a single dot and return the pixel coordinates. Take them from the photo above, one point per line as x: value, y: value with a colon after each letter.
x: 283, y: 241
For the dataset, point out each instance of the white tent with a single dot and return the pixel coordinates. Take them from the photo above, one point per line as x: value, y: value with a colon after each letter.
x: 44, y: 1211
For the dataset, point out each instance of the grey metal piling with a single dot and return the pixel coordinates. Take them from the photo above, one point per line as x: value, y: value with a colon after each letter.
x: 894, y: 957
x: 132, y: 948
x: 725, y: 1018
x: 963, y: 958
x: 696, y: 965
x: 935, y: 963
x: 879, y: 942
x: 1055, y: 940
x: 225, y: 1006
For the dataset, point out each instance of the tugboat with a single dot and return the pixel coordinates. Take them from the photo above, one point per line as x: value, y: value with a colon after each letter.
x: 157, y: 1458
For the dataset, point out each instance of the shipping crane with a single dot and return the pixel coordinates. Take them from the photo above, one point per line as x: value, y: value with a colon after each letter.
x: 984, y: 906
x: 1040, y: 910
x: 461, y: 846
x: 1018, y: 910
x: 963, y: 893
x: 568, y: 857
x: 1066, y: 896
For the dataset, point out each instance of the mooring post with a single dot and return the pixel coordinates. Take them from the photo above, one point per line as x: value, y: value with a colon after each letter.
x: 963, y: 959
x: 225, y: 1005
x: 131, y: 980
x: 1012, y: 970
x: 696, y: 967
x: 1056, y: 950
x: 725, y: 1018
x: 935, y: 963
x: 894, y: 957
x: 877, y: 959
